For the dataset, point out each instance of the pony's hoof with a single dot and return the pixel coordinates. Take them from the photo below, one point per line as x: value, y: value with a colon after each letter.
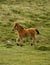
x: 17, y: 44
x: 21, y: 45
x: 31, y: 44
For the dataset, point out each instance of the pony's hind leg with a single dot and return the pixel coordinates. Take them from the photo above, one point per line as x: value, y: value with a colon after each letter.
x: 31, y: 39
x: 34, y: 40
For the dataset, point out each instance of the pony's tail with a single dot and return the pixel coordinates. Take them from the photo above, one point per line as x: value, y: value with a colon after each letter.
x: 37, y: 31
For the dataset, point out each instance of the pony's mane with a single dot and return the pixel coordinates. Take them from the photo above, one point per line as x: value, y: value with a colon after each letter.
x: 19, y: 25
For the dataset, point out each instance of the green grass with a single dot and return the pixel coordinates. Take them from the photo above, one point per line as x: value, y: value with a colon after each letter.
x: 23, y: 55
x: 28, y: 13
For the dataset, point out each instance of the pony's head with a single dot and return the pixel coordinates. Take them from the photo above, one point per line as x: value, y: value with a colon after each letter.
x: 17, y: 27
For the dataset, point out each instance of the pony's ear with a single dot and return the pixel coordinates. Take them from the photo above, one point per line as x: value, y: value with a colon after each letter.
x: 16, y: 24
x: 19, y: 25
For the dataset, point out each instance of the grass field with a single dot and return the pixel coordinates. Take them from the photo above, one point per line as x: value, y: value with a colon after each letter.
x: 28, y: 13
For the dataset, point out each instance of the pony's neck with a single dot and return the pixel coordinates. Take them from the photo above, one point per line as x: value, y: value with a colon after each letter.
x: 20, y: 30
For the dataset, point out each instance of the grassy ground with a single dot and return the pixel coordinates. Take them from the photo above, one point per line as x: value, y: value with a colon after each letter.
x: 34, y: 13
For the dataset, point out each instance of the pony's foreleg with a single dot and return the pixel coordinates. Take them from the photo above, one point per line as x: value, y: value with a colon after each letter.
x: 17, y: 40
x: 21, y: 41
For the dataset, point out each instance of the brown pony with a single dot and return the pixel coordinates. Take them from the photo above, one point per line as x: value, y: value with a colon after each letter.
x: 26, y: 32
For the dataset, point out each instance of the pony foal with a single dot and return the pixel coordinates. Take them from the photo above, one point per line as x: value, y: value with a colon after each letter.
x: 22, y: 32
